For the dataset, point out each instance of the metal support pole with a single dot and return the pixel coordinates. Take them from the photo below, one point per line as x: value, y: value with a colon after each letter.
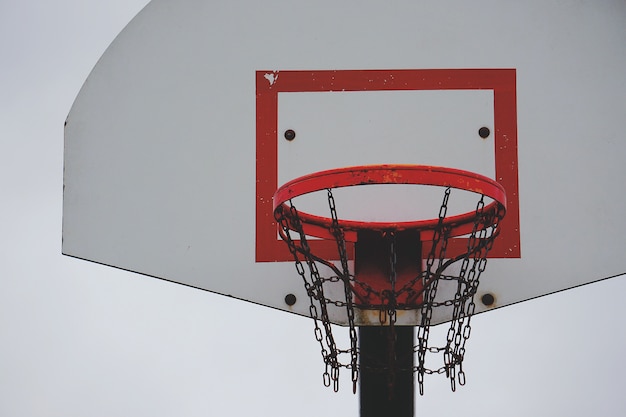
x: 386, y: 356
x: 386, y: 394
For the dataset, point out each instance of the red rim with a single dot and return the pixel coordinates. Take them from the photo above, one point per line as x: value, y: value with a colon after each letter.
x: 390, y: 174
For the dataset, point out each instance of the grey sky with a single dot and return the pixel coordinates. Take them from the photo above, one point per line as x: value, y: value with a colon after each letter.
x: 80, y: 339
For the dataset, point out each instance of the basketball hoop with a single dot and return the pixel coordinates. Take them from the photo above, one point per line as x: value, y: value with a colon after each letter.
x: 398, y: 265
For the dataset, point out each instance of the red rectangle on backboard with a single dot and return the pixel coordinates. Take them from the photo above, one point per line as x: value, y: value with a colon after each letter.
x: 269, y: 84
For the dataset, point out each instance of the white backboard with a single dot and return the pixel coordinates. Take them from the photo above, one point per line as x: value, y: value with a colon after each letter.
x: 175, y: 144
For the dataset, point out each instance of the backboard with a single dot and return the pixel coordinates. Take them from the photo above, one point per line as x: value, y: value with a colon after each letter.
x: 198, y: 111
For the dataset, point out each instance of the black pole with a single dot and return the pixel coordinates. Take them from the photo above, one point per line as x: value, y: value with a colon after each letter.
x: 386, y: 356
x: 386, y: 393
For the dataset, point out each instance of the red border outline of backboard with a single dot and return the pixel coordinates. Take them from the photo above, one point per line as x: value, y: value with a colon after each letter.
x: 269, y: 248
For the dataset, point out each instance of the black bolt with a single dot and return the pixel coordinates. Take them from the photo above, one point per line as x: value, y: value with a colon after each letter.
x: 488, y: 299
x: 290, y: 299
x: 290, y: 134
x: 484, y: 132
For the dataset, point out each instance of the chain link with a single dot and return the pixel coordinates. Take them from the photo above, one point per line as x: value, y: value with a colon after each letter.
x: 315, y: 291
x: 345, y: 277
x: 419, y: 293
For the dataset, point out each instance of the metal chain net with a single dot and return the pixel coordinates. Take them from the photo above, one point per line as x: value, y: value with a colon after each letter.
x: 420, y: 293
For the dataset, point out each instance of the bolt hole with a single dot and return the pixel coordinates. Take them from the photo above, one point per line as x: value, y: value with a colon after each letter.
x: 488, y: 299
x: 290, y: 134
x: 290, y: 299
x: 484, y: 132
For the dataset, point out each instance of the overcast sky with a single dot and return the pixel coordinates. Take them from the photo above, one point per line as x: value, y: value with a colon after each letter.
x: 81, y: 339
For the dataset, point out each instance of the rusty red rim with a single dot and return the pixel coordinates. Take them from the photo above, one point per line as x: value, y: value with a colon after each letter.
x: 319, y: 226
